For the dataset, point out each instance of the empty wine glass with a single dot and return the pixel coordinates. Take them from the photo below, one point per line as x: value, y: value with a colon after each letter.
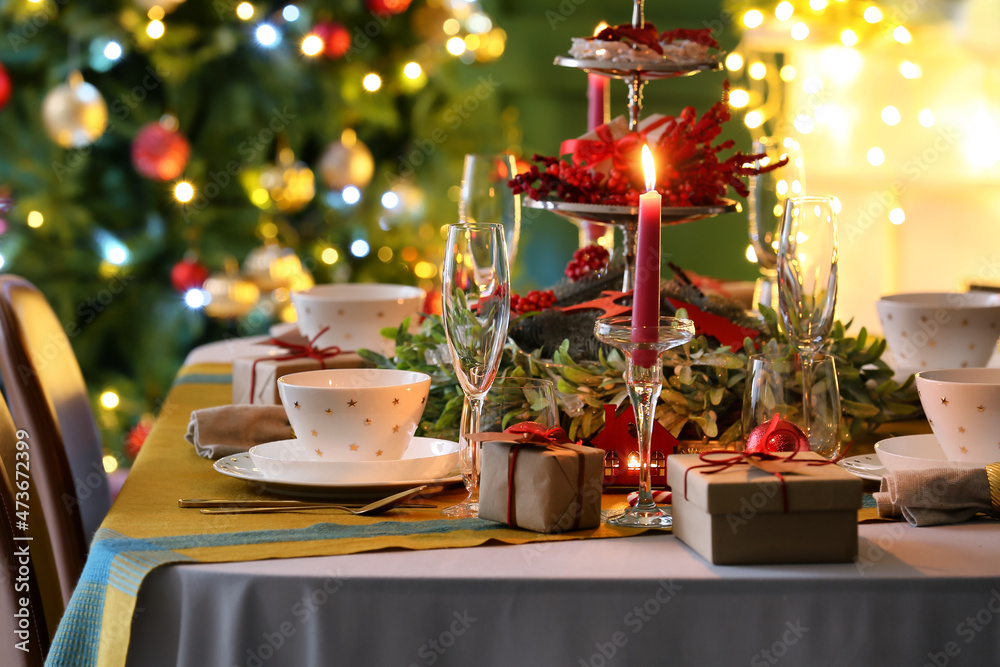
x: 476, y: 311
x: 486, y: 198
x: 807, y: 278
x: 769, y: 192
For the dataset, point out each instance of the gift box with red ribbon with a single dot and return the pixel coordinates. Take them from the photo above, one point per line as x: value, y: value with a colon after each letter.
x: 255, y: 379
x: 536, y: 479
x: 613, y: 145
x: 738, y: 508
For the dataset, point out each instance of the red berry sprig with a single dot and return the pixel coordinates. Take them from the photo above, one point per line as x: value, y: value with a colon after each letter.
x: 587, y: 260
x: 533, y: 301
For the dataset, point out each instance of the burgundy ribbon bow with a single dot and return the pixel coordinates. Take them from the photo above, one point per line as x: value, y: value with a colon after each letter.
x: 296, y: 351
x: 621, y: 151
x: 775, y: 464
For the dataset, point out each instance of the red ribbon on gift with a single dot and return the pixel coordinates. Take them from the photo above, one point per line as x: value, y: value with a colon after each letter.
x: 774, y: 464
x: 531, y: 434
x: 621, y: 151
x: 296, y: 351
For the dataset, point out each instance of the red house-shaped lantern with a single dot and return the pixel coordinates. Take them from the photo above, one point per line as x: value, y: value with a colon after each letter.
x: 620, y: 441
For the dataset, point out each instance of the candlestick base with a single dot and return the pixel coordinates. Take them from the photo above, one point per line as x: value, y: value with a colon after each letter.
x: 644, y: 380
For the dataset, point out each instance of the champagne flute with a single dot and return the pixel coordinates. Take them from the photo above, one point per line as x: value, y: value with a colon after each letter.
x: 476, y: 311
x: 807, y: 281
x: 769, y: 192
x: 486, y: 198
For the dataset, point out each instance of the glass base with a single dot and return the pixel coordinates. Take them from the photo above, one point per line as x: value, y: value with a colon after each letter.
x: 656, y: 517
x: 464, y: 510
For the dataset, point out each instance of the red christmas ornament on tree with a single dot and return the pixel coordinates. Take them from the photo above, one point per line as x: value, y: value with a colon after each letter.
x: 336, y: 38
x: 159, y: 151
x: 775, y: 436
x: 136, y: 437
x: 388, y: 6
x: 188, y: 274
x: 5, y: 86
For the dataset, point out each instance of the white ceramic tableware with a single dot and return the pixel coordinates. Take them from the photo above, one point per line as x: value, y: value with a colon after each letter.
x: 354, y: 414
x: 865, y: 466
x: 915, y: 452
x: 963, y: 408
x: 424, y: 458
x: 355, y: 313
x: 932, y: 330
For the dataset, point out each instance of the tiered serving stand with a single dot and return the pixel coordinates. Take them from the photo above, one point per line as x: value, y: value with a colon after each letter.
x: 626, y: 217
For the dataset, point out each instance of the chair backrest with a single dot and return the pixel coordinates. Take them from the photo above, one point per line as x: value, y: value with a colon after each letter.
x: 25, y: 644
x: 48, y: 400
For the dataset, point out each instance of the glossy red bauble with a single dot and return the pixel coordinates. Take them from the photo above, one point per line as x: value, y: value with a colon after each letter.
x: 336, y: 38
x: 188, y: 274
x: 388, y: 6
x: 5, y: 86
x: 776, y: 436
x: 160, y: 153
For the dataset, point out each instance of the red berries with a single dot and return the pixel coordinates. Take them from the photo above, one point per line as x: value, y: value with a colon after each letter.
x: 587, y: 260
x: 532, y: 301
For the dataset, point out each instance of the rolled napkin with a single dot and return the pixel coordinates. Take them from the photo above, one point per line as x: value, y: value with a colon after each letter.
x: 231, y: 429
x: 940, y: 495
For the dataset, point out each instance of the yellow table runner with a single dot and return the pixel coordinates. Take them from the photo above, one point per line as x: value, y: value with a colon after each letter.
x: 146, y: 529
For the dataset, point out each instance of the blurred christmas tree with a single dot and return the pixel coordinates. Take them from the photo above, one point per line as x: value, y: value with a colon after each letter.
x: 147, y: 143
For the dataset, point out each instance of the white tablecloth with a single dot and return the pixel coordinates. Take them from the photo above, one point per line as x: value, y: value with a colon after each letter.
x: 916, y: 596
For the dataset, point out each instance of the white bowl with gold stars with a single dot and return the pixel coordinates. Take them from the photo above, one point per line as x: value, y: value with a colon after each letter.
x: 355, y: 313
x: 423, y: 459
x: 931, y: 330
x: 354, y: 414
x: 963, y: 408
x: 915, y: 452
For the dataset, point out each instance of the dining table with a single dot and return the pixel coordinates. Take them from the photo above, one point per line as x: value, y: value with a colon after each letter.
x: 165, y: 585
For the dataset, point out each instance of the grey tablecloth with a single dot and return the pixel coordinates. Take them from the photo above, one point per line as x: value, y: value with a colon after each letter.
x: 916, y: 596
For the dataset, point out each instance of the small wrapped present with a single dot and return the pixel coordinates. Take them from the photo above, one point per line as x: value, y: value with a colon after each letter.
x: 539, y: 481
x: 255, y: 379
x: 613, y: 145
x: 738, y: 508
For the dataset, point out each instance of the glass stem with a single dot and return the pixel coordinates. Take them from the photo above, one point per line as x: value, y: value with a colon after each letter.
x: 644, y: 385
x: 475, y: 419
x: 808, y: 358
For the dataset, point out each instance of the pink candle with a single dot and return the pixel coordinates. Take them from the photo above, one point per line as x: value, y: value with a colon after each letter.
x: 597, y: 95
x: 646, y: 298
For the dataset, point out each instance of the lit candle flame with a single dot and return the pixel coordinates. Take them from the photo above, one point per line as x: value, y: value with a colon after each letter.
x: 648, y: 168
x: 600, y: 26
x: 633, y: 460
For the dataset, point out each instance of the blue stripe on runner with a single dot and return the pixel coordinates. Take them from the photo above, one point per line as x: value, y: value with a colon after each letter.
x: 204, y: 378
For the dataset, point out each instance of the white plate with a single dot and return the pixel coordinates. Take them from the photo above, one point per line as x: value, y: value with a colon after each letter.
x: 288, y: 460
x: 865, y: 466
x: 915, y: 452
x: 241, y: 467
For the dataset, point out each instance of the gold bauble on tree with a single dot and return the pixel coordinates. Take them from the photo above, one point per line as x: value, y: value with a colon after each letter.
x: 272, y: 266
x: 347, y: 162
x: 230, y: 295
x: 290, y: 184
x: 74, y: 113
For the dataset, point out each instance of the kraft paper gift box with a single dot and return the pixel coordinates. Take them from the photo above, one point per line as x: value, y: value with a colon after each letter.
x: 557, y: 488
x: 594, y: 146
x: 263, y: 384
x: 737, y: 515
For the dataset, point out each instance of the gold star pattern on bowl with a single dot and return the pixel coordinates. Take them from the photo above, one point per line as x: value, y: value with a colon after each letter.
x: 328, y: 411
x: 965, y: 323
x: 319, y: 453
x: 351, y: 403
x: 297, y: 406
x: 354, y: 448
x: 961, y: 429
x: 378, y: 453
x: 963, y: 450
x: 368, y: 422
x: 315, y: 434
x: 980, y: 408
x: 395, y: 429
x: 944, y: 401
x: 395, y: 401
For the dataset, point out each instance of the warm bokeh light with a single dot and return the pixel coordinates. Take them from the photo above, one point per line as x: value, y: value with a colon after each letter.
x: 848, y: 37
x: 384, y: 253
x: 451, y: 27
x: 817, y: 5
x: 35, y: 219
x: 800, y: 31
x: 891, y: 115
x: 455, y: 46
x: 757, y: 70
x: 156, y: 13
x: 926, y: 118
x: 110, y: 463
x: 753, y: 18
x: 412, y: 70
x: 902, y: 35
x: 244, y: 10
x: 312, y: 45
x: 788, y: 73
x: 783, y: 12
x: 371, y: 82
x: 873, y: 14
x: 184, y: 192
x: 738, y: 98
x: 155, y: 29
x: 754, y: 119
x: 109, y: 400
x: 897, y: 216
x: 876, y: 156
x: 424, y: 269
x: 329, y: 256
x: 751, y: 255
x: 910, y: 70
x: 734, y: 62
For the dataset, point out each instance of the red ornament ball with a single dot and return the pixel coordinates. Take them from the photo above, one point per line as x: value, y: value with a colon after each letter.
x: 775, y: 436
x: 336, y: 38
x: 136, y: 437
x: 160, y: 153
x: 188, y: 274
x: 388, y: 6
x: 5, y: 86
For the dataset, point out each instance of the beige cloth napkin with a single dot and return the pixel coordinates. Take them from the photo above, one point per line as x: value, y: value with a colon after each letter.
x: 934, y: 497
x: 231, y: 429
